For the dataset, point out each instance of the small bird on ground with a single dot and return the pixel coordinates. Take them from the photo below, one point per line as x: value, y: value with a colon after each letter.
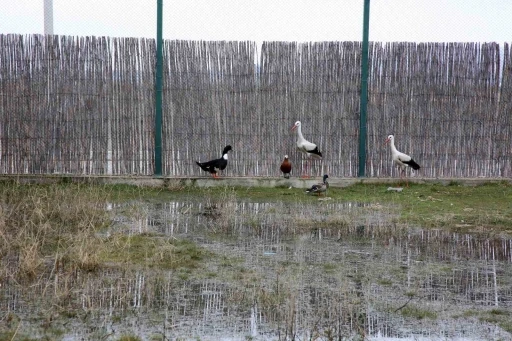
x: 307, y: 148
x: 402, y: 160
x: 286, y: 167
x: 319, y: 188
x: 217, y: 164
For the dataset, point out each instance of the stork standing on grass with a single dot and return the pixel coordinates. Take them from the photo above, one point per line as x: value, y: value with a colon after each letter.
x: 307, y: 148
x: 402, y: 160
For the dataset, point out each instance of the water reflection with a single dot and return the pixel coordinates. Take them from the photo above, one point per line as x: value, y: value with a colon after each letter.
x: 289, y: 271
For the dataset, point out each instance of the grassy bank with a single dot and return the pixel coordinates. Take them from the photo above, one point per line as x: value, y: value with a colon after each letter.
x: 58, y: 226
x: 483, y: 209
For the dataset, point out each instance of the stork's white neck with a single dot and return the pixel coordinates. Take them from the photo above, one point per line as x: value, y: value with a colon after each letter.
x: 225, y: 156
x: 299, y: 134
x: 392, y: 145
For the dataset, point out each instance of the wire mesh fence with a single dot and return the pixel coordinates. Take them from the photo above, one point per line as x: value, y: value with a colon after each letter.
x: 86, y: 105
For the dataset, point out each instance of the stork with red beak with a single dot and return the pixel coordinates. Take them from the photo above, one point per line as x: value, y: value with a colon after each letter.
x: 307, y: 148
x: 402, y: 160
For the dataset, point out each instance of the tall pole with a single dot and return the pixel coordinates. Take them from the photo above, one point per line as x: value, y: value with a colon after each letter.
x: 158, y: 90
x: 48, y: 17
x: 364, y: 90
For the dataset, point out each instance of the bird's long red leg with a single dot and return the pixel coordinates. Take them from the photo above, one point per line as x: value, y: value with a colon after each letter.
x: 305, y: 174
x: 403, y: 176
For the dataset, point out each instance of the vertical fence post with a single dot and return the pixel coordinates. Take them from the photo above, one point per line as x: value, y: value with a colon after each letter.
x: 364, y: 91
x: 158, y: 89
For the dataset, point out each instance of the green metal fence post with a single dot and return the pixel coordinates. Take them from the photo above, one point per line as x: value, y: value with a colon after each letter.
x: 364, y: 91
x: 158, y: 89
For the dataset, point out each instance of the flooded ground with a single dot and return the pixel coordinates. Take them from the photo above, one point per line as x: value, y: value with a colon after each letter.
x: 308, y: 270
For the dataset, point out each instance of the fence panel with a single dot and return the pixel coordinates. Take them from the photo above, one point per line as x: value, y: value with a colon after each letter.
x: 209, y: 101
x: 317, y: 84
x: 442, y: 101
x: 86, y: 106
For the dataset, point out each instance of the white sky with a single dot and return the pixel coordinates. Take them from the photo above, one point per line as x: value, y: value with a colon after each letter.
x: 269, y: 20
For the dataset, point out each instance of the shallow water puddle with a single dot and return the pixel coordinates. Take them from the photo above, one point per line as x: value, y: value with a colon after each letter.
x: 291, y: 271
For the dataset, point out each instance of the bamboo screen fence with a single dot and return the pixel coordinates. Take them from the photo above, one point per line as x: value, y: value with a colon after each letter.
x: 86, y: 106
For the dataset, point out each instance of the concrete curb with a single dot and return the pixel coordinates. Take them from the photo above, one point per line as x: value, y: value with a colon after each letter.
x: 150, y: 181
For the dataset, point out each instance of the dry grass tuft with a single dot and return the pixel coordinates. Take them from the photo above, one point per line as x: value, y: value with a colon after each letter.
x: 44, y: 225
x: 221, y: 206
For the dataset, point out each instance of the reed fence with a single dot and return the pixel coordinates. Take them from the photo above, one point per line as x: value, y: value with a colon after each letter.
x: 85, y: 105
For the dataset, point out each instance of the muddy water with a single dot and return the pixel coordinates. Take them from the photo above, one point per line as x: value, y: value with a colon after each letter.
x: 285, y: 271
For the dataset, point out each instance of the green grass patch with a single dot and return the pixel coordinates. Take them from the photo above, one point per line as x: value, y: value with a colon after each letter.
x: 485, y: 208
x: 330, y: 268
x: 129, y: 338
x: 501, y: 312
x: 152, y: 251
x: 385, y: 282
x: 506, y: 325
x: 13, y: 335
x: 500, y: 317
x: 417, y: 313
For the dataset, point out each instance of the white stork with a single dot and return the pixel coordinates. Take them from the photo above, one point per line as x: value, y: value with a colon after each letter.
x: 401, y: 159
x: 307, y: 148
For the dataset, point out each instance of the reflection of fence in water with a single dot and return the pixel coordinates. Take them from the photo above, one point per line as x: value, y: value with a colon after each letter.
x: 297, y: 283
x: 415, y: 250
x: 270, y: 222
x: 314, y: 296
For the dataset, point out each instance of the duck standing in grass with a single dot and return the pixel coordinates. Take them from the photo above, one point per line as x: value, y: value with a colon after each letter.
x: 307, y: 148
x: 286, y: 167
x: 319, y: 188
x: 217, y: 164
x: 401, y: 159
